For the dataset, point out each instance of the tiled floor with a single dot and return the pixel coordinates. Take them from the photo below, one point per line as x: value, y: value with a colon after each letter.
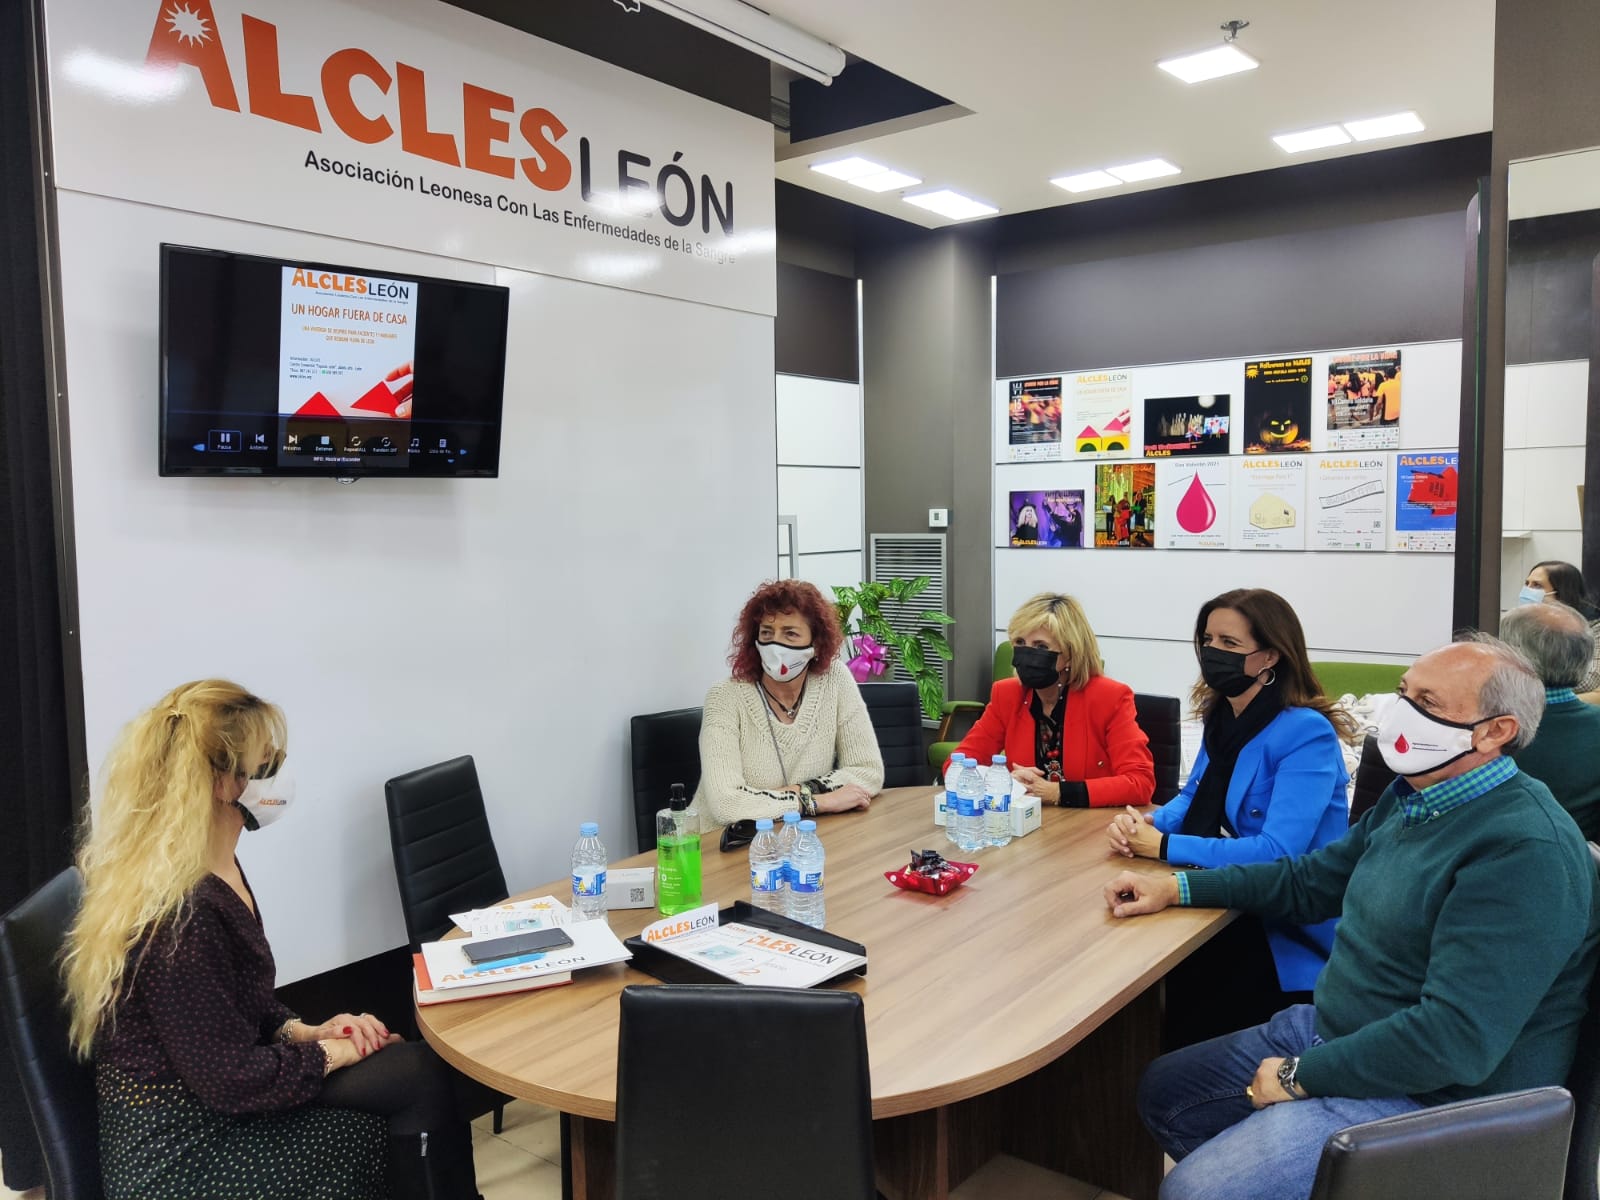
x: 524, y: 1163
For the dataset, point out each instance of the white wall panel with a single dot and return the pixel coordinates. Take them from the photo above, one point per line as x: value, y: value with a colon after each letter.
x: 1547, y: 404
x: 819, y: 422
x: 827, y: 570
x: 400, y: 622
x: 827, y: 504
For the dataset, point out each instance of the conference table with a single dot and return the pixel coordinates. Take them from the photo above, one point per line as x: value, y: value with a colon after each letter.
x: 1012, y: 1015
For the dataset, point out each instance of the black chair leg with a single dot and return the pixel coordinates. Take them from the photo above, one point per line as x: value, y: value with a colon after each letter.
x: 499, y: 1118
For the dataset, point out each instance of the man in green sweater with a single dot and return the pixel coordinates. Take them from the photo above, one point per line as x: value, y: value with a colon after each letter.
x: 1461, y: 966
x: 1565, y: 757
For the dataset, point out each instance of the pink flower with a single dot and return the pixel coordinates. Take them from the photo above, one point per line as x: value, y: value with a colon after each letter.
x: 870, y: 658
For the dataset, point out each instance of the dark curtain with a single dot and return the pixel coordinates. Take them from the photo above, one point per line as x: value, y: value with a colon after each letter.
x: 36, y: 794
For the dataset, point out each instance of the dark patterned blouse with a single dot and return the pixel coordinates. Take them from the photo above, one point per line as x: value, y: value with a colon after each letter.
x: 197, y: 1098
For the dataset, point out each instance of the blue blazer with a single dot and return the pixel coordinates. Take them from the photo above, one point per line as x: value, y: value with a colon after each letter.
x: 1286, y: 798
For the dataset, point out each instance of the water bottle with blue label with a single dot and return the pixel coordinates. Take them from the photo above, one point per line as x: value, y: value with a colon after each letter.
x: 969, y: 807
x: 787, y: 835
x: 588, y: 875
x: 768, y: 882
x: 805, y: 887
x: 951, y: 774
x: 997, y: 802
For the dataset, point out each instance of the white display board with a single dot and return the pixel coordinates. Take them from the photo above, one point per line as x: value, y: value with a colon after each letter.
x: 415, y: 125
x: 820, y: 480
x: 1362, y: 606
x: 1546, y: 427
x: 522, y: 620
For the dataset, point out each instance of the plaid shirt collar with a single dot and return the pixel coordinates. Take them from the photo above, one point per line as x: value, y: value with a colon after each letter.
x: 1437, y: 799
x: 1559, y: 695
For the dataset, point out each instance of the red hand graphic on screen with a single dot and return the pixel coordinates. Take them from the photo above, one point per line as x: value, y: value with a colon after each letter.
x: 402, y: 390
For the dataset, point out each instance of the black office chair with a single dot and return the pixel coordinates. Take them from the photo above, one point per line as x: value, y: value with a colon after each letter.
x: 1161, y: 718
x: 59, y: 1088
x: 713, y: 1051
x: 444, y: 861
x: 1507, y: 1147
x: 665, y: 749
x: 1373, y: 777
x: 896, y: 715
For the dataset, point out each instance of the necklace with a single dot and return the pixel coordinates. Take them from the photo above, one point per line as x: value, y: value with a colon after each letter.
x: 787, y: 710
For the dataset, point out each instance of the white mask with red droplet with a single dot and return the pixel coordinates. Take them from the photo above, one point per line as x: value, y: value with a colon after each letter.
x: 1413, y: 743
x: 784, y: 663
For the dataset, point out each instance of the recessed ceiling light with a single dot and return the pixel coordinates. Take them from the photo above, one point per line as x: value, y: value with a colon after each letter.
x: 1150, y: 168
x: 1381, y: 127
x: 848, y: 168
x: 1312, y: 139
x: 885, y: 181
x: 952, y: 204
x: 1087, y: 182
x: 1209, y: 64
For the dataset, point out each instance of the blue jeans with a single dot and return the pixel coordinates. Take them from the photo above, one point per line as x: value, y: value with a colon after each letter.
x: 1193, y: 1102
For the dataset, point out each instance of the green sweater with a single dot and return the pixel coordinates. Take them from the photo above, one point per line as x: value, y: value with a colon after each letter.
x: 1565, y: 757
x: 1463, y: 959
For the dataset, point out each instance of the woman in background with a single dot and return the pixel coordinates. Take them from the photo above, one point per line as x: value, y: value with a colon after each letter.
x: 208, y: 1086
x: 789, y: 730
x: 1269, y: 782
x: 1068, y: 731
x: 1562, y: 582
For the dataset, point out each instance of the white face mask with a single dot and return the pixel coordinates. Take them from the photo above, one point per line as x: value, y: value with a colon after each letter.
x: 1530, y: 595
x: 1414, y: 743
x: 265, y: 800
x: 784, y: 663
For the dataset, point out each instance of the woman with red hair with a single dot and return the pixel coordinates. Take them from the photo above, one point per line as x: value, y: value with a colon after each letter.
x: 789, y: 731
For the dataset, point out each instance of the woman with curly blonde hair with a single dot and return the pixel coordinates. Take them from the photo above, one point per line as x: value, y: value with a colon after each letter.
x: 209, y: 1086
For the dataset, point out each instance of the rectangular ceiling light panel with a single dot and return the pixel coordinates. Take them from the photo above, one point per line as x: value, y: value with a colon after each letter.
x: 1209, y: 64
x: 952, y: 204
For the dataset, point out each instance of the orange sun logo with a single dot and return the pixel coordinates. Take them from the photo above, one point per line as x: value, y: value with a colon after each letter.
x: 187, y: 25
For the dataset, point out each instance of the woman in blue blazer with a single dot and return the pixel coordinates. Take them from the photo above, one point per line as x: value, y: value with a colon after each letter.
x: 1269, y: 782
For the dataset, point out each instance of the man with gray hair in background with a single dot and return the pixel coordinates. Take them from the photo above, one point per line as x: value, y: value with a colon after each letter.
x: 1565, y: 755
x: 1462, y: 961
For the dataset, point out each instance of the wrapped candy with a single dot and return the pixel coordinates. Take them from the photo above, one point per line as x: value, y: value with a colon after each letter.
x: 930, y: 872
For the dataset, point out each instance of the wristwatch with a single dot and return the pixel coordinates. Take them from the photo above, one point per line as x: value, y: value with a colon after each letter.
x: 808, y: 802
x: 1287, y: 1070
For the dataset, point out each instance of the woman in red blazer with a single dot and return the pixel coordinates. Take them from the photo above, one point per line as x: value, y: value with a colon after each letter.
x: 1067, y: 731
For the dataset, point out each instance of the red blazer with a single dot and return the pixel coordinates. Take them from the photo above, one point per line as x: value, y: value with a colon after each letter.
x: 1101, y: 743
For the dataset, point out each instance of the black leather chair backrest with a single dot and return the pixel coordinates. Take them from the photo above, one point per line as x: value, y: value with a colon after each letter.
x: 897, y: 720
x: 1161, y: 718
x: 59, y: 1089
x: 1583, y: 1081
x: 1373, y: 776
x: 1494, y: 1148
x: 444, y: 855
x: 714, y: 1053
x: 665, y: 749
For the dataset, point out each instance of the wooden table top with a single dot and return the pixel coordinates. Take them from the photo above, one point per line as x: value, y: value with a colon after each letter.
x: 964, y: 993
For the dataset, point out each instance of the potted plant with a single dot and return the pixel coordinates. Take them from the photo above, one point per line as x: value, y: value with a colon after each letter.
x: 872, y: 644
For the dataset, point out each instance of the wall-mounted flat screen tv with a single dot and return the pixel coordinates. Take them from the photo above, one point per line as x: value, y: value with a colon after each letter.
x: 281, y: 367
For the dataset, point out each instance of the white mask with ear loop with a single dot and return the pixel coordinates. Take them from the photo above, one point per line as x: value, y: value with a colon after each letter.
x: 1413, y: 743
x: 263, y: 801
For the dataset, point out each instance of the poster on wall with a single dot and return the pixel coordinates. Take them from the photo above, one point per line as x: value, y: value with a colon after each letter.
x: 1277, y: 406
x: 1035, y: 419
x: 1184, y: 426
x: 1269, y: 500
x: 1192, y: 500
x: 1101, y: 416
x: 1364, y: 400
x: 1349, y: 502
x: 1047, y: 520
x: 1425, y: 492
x: 1125, y: 504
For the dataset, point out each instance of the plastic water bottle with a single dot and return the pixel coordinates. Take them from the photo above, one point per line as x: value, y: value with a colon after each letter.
x: 952, y: 773
x: 787, y: 836
x: 768, y: 881
x: 997, y: 802
x: 588, y: 875
x: 805, y: 889
x: 969, y: 807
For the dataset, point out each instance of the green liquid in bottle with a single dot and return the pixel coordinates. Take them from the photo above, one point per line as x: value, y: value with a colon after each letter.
x: 677, y: 872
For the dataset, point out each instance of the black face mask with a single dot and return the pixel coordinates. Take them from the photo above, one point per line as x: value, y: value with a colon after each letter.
x: 1035, y: 667
x: 1223, y: 671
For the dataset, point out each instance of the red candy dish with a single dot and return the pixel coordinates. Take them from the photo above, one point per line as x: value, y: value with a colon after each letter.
x: 934, y: 879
